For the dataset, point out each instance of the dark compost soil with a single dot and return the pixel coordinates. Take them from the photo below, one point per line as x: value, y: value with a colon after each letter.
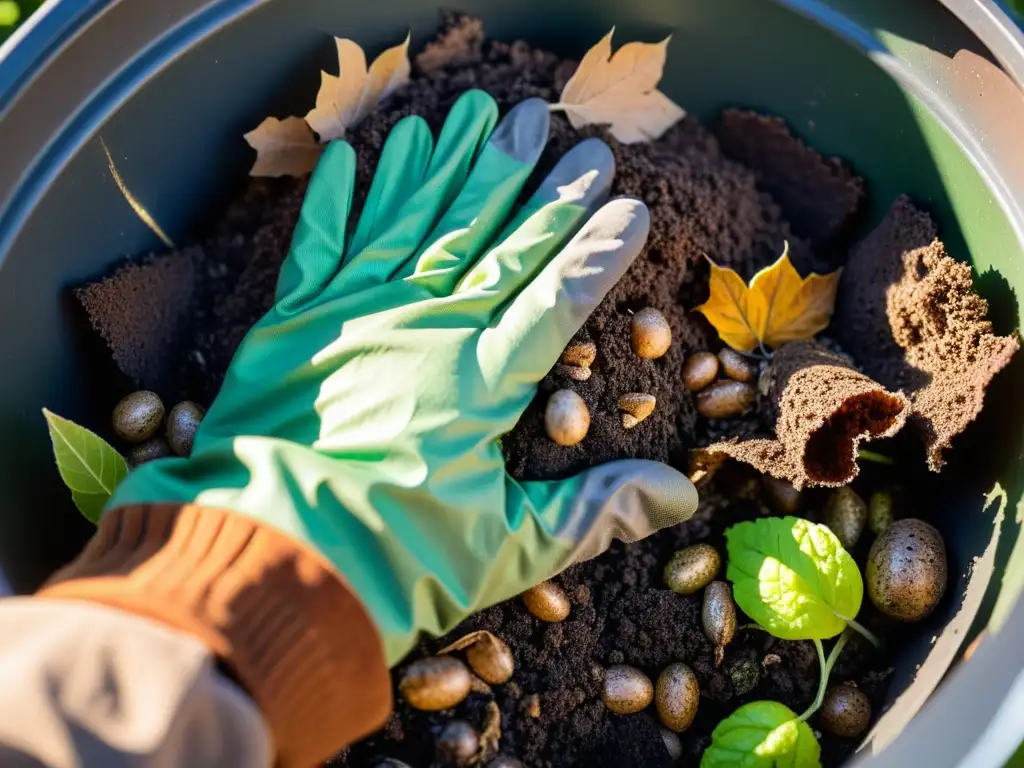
x: 703, y: 202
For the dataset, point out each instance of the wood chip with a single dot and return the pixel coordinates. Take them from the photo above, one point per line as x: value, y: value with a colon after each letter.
x: 491, y: 735
x: 637, y: 406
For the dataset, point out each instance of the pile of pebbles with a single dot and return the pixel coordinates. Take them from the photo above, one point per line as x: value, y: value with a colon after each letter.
x: 138, y: 418
x: 567, y: 418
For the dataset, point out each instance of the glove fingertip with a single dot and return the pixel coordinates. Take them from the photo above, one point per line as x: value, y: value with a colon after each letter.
x: 625, y: 500
x: 599, y: 256
x: 417, y: 129
x: 661, y: 491
x: 338, y: 152
x: 524, y: 131
x: 599, y: 153
x: 625, y: 219
x: 476, y: 100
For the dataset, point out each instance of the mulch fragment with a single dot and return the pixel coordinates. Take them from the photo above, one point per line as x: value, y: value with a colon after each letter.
x: 819, y: 195
x: 142, y: 312
x: 822, y: 408
x: 908, y: 313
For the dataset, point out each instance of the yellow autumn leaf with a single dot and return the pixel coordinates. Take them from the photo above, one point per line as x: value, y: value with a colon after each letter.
x: 777, y: 307
x: 621, y: 91
x: 283, y: 147
x: 346, y: 99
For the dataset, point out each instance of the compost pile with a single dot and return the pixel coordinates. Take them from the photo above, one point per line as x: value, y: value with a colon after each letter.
x: 910, y: 343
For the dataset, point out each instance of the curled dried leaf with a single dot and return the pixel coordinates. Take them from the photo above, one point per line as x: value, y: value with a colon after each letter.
x: 346, y: 99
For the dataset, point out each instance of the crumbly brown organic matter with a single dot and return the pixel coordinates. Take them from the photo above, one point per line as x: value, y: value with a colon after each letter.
x: 173, y: 322
x: 141, y: 311
x: 822, y: 409
x: 908, y: 313
x: 819, y: 195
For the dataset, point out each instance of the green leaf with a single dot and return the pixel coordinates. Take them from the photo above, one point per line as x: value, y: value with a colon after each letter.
x: 87, y: 463
x: 762, y: 734
x: 90, y: 504
x: 793, y: 577
x: 10, y: 13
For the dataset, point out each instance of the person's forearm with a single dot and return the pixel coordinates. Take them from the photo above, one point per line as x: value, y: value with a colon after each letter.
x: 87, y: 685
x: 180, y: 588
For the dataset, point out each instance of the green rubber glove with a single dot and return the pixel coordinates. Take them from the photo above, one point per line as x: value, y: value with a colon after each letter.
x: 362, y: 415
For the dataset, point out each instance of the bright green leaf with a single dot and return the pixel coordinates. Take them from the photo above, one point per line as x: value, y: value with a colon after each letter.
x: 90, y: 504
x: 793, y: 577
x: 88, y: 465
x: 762, y: 734
x: 9, y: 13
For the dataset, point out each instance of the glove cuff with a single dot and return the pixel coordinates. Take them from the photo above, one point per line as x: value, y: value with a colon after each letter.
x: 275, y: 611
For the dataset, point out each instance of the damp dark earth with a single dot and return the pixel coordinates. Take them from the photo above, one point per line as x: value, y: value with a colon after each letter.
x: 908, y: 351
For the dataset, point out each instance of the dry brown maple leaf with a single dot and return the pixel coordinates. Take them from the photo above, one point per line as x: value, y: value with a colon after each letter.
x: 621, y: 91
x: 346, y: 99
x: 778, y: 306
x: 283, y: 147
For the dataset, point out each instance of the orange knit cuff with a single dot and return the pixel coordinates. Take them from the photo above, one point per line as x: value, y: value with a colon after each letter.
x: 277, y: 613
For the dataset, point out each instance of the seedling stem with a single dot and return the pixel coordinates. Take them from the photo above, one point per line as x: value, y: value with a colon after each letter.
x: 826, y: 669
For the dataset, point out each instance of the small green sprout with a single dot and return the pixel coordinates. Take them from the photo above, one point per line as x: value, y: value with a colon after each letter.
x: 87, y: 463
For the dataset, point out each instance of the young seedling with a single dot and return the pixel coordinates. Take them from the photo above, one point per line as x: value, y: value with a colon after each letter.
x: 796, y: 580
x: 762, y: 733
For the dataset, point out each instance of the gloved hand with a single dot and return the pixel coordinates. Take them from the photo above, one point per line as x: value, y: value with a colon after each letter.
x: 362, y: 414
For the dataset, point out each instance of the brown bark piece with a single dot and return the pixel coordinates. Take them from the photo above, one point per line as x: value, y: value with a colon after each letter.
x: 823, y: 409
x: 819, y: 195
x: 908, y: 312
x: 142, y: 313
